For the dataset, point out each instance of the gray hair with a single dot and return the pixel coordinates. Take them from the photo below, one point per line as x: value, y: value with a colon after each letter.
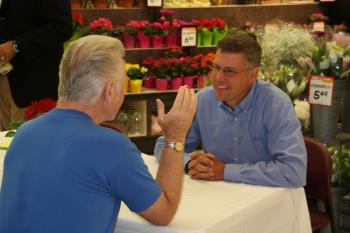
x: 242, y: 43
x: 88, y: 64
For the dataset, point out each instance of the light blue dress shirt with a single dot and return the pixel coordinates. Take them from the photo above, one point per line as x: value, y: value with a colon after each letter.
x: 260, y: 140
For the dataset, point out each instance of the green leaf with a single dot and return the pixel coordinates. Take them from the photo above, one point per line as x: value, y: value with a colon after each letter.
x: 10, y: 134
x: 16, y: 124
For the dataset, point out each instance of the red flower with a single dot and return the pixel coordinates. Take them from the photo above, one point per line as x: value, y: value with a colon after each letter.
x: 39, y: 107
x: 77, y: 19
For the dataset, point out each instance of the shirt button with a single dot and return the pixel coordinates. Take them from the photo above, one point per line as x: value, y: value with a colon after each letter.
x: 236, y: 119
x: 234, y: 139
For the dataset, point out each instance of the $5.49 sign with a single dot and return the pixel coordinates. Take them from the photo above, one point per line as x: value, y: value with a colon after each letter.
x: 321, y: 90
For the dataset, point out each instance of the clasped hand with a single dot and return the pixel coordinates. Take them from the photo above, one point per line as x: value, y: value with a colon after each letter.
x: 205, y: 166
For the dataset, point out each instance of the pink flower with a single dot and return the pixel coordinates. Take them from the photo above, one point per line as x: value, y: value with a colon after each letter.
x: 101, y: 23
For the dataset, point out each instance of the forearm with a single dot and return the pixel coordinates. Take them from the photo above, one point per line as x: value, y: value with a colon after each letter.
x: 170, y: 178
x: 274, y: 173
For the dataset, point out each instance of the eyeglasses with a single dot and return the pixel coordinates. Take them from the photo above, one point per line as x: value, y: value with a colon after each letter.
x: 227, y: 71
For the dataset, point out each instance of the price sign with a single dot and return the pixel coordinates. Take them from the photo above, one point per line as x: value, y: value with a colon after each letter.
x: 318, y: 26
x: 154, y: 3
x: 321, y: 90
x: 188, y: 36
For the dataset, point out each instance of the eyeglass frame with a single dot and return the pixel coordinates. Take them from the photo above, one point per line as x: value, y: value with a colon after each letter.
x: 217, y: 68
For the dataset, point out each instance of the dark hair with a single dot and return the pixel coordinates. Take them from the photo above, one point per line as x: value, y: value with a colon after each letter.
x: 242, y: 43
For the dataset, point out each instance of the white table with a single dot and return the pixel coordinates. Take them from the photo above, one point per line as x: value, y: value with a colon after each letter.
x: 222, y: 207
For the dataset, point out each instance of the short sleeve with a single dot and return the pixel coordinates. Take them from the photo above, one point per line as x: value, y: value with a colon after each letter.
x: 131, y: 181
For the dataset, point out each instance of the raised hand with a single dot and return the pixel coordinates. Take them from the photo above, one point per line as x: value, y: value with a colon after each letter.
x: 178, y: 120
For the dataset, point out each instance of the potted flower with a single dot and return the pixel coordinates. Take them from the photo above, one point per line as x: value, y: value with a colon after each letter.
x: 160, y: 68
x: 219, y: 29
x: 330, y: 59
x: 170, y: 26
x: 101, y: 26
x: 144, y: 32
x: 128, y: 35
x: 205, y: 32
x: 158, y: 34
x: 204, y: 62
x: 135, y: 73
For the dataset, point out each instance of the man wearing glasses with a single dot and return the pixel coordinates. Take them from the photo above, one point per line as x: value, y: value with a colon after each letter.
x: 247, y: 128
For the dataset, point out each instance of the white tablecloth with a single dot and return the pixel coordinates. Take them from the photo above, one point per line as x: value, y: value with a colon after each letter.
x: 222, y: 207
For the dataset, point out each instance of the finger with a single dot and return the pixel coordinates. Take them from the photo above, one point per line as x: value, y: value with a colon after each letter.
x: 193, y: 101
x: 210, y: 156
x: 204, y: 160
x: 186, y: 103
x: 179, y: 99
x: 160, y: 110
x: 202, y: 168
x: 195, y: 154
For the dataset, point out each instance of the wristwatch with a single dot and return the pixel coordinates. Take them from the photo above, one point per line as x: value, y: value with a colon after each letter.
x: 177, y: 146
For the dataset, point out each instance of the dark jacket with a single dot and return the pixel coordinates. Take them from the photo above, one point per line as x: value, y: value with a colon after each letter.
x: 39, y: 27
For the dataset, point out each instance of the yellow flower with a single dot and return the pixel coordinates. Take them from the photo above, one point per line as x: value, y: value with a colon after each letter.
x: 144, y: 70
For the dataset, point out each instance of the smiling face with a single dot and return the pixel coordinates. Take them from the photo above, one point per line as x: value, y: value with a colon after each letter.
x: 234, y: 88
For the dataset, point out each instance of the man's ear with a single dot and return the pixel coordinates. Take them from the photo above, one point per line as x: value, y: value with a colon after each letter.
x: 109, y: 92
x: 254, y: 74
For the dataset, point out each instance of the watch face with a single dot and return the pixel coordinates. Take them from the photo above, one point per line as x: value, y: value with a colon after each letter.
x: 179, y: 147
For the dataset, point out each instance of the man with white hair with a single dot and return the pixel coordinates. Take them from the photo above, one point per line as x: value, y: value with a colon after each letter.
x: 65, y: 173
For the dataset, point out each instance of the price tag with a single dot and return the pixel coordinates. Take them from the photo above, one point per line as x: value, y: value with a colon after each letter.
x: 321, y: 90
x: 188, y: 36
x: 154, y: 3
x: 318, y: 26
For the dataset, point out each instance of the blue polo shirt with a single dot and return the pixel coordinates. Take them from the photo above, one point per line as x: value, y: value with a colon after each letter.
x: 63, y: 173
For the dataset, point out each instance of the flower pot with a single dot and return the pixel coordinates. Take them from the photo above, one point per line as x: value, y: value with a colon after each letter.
x: 135, y: 85
x: 199, y: 39
x: 188, y: 81
x: 207, y: 37
x: 143, y: 40
x: 161, y: 84
x: 218, y: 36
x: 149, y: 81
x: 324, y: 118
x: 200, y: 81
x: 100, y: 4
x: 157, y: 41
x: 171, y: 39
x: 128, y: 40
x: 75, y: 4
x: 176, y: 83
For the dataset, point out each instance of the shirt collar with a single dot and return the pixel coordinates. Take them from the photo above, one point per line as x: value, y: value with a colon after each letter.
x: 245, y: 104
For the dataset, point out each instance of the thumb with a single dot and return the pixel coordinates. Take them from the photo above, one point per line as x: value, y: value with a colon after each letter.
x: 160, y: 109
